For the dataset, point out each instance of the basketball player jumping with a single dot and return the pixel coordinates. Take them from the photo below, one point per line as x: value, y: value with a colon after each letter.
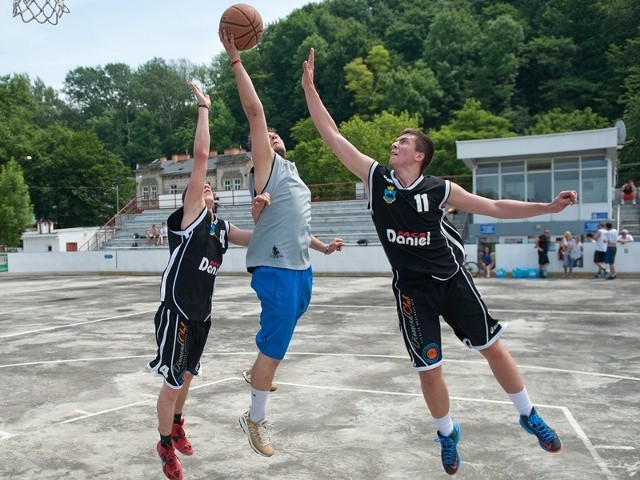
x: 197, y: 242
x: 426, y: 254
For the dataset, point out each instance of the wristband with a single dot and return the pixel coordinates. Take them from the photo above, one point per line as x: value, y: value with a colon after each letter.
x: 236, y: 61
x: 202, y: 105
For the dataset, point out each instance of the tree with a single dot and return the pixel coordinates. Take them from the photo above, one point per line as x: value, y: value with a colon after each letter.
x: 469, y: 123
x: 557, y: 121
x: 317, y: 163
x: 16, y: 212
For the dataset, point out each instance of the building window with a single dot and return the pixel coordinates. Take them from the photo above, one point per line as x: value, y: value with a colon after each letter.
x: 512, y: 180
x: 237, y: 184
x: 488, y: 181
x: 145, y: 193
x: 566, y: 175
x: 154, y: 193
x: 594, y: 181
x: 539, y: 181
x: 173, y: 189
x: 226, y: 185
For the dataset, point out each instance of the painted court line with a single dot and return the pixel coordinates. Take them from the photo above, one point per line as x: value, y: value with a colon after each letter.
x: 567, y: 413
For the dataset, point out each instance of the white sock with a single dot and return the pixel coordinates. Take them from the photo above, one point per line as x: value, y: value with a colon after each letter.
x: 444, y: 425
x: 258, y: 409
x: 522, y: 401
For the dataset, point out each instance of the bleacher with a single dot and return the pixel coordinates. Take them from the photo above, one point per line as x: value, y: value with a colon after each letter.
x: 347, y: 219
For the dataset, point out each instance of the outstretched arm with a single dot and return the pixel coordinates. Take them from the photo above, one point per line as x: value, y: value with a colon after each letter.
x: 193, y: 200
x: 471, y: 203
x: 318, y: 245
x: 261, y: 151
x: 358, y: 163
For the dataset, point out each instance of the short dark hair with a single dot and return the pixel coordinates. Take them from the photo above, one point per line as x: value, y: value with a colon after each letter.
x: 269, y: 129
x: 423, y: 145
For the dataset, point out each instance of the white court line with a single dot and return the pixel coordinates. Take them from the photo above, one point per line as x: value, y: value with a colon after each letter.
x: 396, y: 357
x: 567, y: 413
x: 69, y: 325
x: 389, y: 307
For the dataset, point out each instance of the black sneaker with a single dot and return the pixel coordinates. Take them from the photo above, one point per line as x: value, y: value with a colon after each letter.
x: 535, y: 425
x: 449, y: 454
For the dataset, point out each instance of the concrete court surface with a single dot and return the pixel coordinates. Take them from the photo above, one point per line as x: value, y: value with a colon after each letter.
x: 78, y: 403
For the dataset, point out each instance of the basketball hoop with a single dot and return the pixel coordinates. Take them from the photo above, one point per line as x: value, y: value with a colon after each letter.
x: 42, y: 11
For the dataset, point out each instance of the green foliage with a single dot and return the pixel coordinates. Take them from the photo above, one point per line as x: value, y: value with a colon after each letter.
x: 469, y: 123
x: 317, y: 163
x: 557, y: 121
x: 16, y: 211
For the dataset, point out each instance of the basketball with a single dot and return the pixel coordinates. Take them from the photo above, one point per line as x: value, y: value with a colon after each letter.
x: 244, y: 23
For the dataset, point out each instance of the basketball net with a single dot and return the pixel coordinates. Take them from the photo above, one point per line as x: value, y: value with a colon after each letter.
x: 42, y: 11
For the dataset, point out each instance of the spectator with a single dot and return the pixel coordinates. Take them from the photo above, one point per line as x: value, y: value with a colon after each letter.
x: 151, y: 233
x: 600, y: 250
x: 576, y: 253
x: 216, y: 202
x: 611, y: 237
x: 628, y: 192
x: 564, y: 253
x: 487, y: 261
x: 624, y: 236
x: 542, y: 245
x: 163, y: 234
x: 590, y: 238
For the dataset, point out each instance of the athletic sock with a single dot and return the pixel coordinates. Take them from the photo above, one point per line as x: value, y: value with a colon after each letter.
x: 258, y: 405
x: 177, y: 417
x: 444, y: 425
x: 166, y: 441
x: 522, y: 401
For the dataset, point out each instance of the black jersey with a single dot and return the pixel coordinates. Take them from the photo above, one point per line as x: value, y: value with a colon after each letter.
x: 412, y: 225
x: 196, y: 255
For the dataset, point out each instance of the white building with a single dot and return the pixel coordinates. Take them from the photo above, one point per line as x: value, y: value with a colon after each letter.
x: 535, y: 168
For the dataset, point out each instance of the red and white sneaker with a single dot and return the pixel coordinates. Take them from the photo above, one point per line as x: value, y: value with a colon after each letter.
x: 170, y: 463
x: 179, y: 438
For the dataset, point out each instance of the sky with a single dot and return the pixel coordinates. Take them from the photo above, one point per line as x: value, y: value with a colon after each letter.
x: 98, y: 32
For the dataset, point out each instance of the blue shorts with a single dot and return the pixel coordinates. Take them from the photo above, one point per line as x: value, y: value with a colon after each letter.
x: 284, y: 297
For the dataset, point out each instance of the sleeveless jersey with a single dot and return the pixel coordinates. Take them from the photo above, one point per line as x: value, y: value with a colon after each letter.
x: 412, y: 225
x: 282, y: 235
x: 196, y: 255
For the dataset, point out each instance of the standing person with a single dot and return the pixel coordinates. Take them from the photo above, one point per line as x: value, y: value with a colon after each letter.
x: 611, y: 237
x: 566, y: 248
x: 278, y: 254
x: 542, y: 246
x: 197, y: 242
x: 600, y: 251
x: 628, y: 191
x: 577, y: 251
x: 487, y: 261
x: 426, y: 254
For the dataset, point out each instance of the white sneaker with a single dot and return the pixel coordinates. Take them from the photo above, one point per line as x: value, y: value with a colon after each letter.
x: 257, y: 434
x: 247, y: 378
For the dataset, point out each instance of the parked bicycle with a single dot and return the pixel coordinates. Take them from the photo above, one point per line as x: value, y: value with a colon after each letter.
x: 472, y: 267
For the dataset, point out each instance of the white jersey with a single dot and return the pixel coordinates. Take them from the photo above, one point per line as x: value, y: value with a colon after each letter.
x: 601, y: 241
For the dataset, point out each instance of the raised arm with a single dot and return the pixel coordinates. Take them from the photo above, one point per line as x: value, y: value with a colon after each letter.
x: 358, y: 163
x: 471, y: 203
x: 261, y: 151
x: 193, y: 200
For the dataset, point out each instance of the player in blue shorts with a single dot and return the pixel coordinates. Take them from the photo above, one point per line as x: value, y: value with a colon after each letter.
x: 426, y: 254
x: 278, y: 254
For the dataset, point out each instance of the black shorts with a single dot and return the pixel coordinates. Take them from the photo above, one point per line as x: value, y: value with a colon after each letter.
x: 180, y: 345
x: 610, y: 255
x: 421, y: 300
x: 598, y: 256
x: 543, y: 258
